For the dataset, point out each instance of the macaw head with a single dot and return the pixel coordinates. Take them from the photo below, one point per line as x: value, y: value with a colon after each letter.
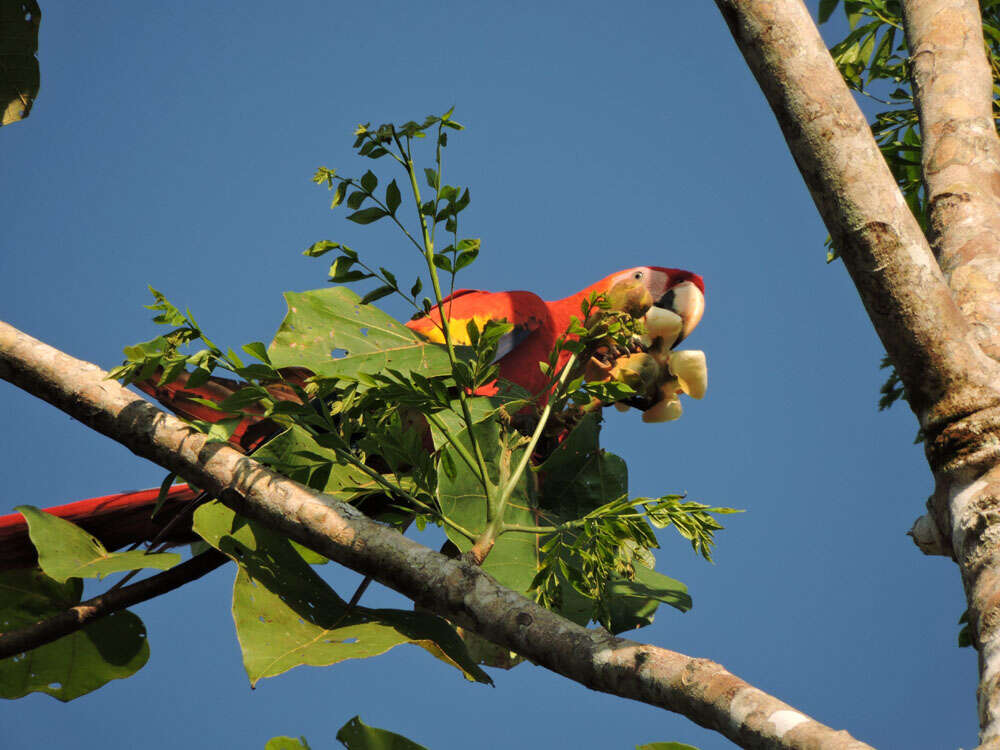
x: 676, y: 299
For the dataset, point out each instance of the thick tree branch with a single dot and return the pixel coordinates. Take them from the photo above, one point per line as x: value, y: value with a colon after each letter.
x: 953, y: 385
x: 953, y: 88
x: 697, y: 688
x: 75, y: 618
x: 935, y: 352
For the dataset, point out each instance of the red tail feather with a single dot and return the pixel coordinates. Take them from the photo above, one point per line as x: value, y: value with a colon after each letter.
x: 116, y: 520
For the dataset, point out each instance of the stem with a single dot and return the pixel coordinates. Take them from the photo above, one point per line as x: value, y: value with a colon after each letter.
x: 445, y: 323
x: 531, y: 529
x: 461, y: 449
x: 389, y: 486
x: 495, y: 525
x: 80, y: 615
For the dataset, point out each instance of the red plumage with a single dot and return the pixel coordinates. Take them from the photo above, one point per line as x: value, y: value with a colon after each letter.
x: 123, y: 518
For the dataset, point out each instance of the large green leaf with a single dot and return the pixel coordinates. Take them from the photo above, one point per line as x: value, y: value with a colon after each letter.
x: 66, y: 551
x: 634, y: 603
x: 513, y: 560
x: 286, y: 615
x: 510, y: 399
x: 107, y: 649
x: 356, y: 735
x: 295, y: 454
x: 331, y: 333
x: 19, y: 78
x: 578, y: 476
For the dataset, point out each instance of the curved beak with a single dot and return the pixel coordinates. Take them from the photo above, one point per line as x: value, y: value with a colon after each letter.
x: 688, y: 302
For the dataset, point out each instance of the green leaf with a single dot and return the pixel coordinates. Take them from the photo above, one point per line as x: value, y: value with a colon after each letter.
x: 356, y: 735
x: 324, y: 322
x: 322, y: 470
x: 111, y: 648
x: 18, y: 47
x: 338, y: 195
x: 392, y: 197
x: 481, y: 409
x: 355, y: 199
x: 340, y: 271
x: 367, y: 215
x: 826, y: 7
x: 443, y: 262
x: 258, y: 350
x: 465, y: 259
x: 320, y: 248
x: 377, y: 294
x: 369, y: 181
x: 579, y: 476
x: 634, y: 602
x: 287, y: 743
x: 514, y: 558
x: 432, y: 178
x: 286, y: 615
x: 66, y: 551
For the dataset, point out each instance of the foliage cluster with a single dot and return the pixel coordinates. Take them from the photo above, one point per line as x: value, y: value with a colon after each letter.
x: 356, y: 405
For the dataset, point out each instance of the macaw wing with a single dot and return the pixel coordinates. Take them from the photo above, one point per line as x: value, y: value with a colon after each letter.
x: 524, y: 310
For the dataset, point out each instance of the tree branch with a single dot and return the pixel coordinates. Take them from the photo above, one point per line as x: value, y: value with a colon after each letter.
x: 697, y: 688
x: 75, y: 618
x: 932, y: 346
x: 953, y: 92
x: 952, y: 384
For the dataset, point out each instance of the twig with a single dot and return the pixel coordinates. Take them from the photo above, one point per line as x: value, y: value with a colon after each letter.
x: 79, y: 616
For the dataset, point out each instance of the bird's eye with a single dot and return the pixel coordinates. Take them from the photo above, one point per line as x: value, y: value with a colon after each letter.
x: 638, y: 275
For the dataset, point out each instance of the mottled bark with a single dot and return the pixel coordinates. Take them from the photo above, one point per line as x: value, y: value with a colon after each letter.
x: 881, y: 243
x: 953, y: 87
x: 935, y: 339
x: 697, y: 688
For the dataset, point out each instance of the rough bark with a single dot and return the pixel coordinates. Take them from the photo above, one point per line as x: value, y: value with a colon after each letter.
x: 953, y: 88
x: 936, y: 342
x: 697, y: 688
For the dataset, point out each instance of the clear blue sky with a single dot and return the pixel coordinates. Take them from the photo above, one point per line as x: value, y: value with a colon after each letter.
x: 175, y: 145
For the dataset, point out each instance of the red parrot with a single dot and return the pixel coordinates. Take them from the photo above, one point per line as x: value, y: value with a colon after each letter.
x: 676, y: 296
x: 537, y: 323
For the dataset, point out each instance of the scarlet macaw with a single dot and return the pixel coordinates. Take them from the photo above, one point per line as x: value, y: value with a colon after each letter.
x: 671, y: 299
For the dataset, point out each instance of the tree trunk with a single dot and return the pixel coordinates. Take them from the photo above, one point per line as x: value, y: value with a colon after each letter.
x: 937, y: 312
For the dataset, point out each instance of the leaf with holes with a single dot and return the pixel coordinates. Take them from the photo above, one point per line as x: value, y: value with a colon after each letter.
x: 108, y: 649
x: 286, y: 615
x: 331, y: 333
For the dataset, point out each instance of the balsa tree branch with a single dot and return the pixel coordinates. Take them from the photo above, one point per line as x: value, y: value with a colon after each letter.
x: 953, y: 92
x: 882, y: 245
x: 953, y: 386
x: 697, y: 688
x: 79, y: 616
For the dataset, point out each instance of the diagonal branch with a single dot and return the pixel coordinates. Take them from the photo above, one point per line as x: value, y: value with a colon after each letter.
x: 935, y: 352
x: 952, y: 384
x: 697, y: 688
x: 953, y: 90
